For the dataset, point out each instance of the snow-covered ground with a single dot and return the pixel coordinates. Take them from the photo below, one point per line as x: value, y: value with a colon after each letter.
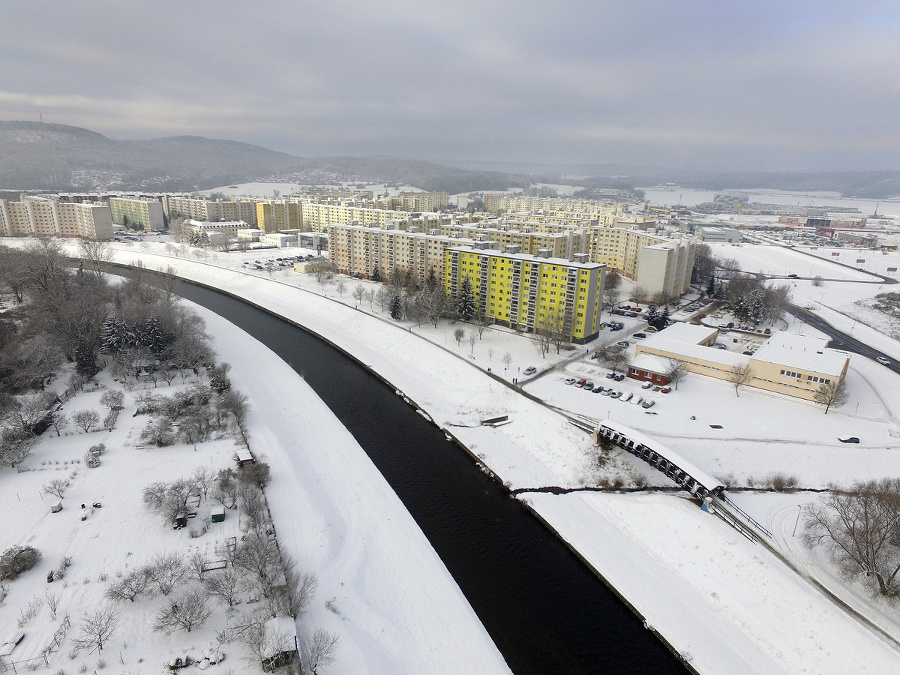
x: 382, y: 588
x: 722, y: 601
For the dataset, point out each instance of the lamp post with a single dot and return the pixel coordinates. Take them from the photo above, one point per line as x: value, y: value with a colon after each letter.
x: 796, y: 522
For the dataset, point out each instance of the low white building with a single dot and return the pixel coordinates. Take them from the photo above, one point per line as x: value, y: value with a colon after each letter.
x: 278, y: 239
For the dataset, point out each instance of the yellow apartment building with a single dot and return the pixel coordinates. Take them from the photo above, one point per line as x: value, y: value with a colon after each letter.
x: 530, y: 292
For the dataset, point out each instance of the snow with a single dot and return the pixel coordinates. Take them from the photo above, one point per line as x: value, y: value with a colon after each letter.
x: 723, y: 602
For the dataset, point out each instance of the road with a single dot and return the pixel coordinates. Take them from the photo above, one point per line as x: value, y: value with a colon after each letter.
x: 840, y: 340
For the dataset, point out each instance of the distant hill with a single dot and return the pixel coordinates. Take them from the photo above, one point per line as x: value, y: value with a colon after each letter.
x: 37, y: 156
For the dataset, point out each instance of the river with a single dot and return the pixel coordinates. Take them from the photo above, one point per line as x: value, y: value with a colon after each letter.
x: 545, y: 611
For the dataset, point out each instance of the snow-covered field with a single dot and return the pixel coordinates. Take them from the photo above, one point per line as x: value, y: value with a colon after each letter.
x: 723, y: 602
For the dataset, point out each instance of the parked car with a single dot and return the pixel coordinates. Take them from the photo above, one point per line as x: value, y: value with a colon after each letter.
x: 610, y: 376
x: 768, y: 331
x: 650, y: 329
x: 628, y: 398
x: 639, y: 336
x: 851, y: 439
x: 637, y: 401
x: 581, y: 383
x: 747, y: 353
x: 619, y: 377
x: 589, y: 386
x: 883, y: 361
x: 648, y: 385
x: 531, y: 370
x: 623, y: 343
x: 607, y: 392
x: 666, y: 390
x: 793, y: 276
x: 570, y: 380
x: 703, y: 316
x: 598, y: 389
x: 648, y: 404
x: 615, y: 394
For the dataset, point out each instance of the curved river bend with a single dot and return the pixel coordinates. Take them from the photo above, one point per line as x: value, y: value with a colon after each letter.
x: 546, y: 612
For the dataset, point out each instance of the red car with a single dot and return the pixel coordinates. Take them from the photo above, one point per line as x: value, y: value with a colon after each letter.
x: 665, y: 390
x: 581, y: 383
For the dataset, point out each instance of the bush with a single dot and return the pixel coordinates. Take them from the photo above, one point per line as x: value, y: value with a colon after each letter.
x: 16, y: 560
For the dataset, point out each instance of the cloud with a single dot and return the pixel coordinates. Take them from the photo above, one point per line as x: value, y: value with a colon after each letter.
x: 725, y: 84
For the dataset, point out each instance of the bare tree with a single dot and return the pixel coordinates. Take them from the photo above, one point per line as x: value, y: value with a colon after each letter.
x: 86, y: 419
x: 204, y: 479
x: 259, y: 556
x: 294, y: 596
x: 739, y: 375
x: 196, y: 565
x: 859, y: 527
x: 818, y: 281
x: 436, y: 303
x: 833, y: 393
x: 507, y: 359
x: 319, y: 649
x: 639, y: 294
x: 133, y: 584
x: 169, y: 499
x: 97, y: 253
x: 52, y: 603
x: 225, y: 585
x: 491, y: 353
x: 96, y: 629
x: 167, y: 570
x: 56, y: 487
x: 370, y: 296
x: 676, y: 372
x: 613, y: 356
x: 341, y: 287
x: 186, y: 612
x: 112, y: 399
x: 473, y: 338
x: 458, y: 335
x: 59, y: 421
x: 15, y: 446
x: 359, y: 292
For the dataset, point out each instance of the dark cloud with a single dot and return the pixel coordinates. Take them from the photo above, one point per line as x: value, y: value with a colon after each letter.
x: 732, y: 85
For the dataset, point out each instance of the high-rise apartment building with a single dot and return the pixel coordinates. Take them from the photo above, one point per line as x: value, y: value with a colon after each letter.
x: 530, y: 292
x: 136, y: 213
x: 45, y: 217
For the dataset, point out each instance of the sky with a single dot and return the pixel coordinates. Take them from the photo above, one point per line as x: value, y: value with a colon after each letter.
x: 756, y: 85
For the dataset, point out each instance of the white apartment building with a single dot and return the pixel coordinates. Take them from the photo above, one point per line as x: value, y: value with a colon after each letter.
x: 356, y: 249
x: 210, y: 210
x: 48, y: 217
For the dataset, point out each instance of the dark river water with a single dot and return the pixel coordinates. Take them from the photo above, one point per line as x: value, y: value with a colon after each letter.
x: 544, y: 609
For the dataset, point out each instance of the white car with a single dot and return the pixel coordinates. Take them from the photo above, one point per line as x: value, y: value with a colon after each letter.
x: 883, y: 361
x: 530, y: 370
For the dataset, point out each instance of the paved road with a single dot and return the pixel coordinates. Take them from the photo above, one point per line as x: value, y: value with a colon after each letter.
x: 840, y: 340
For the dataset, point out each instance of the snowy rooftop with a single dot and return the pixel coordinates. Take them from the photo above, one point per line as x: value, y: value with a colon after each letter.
x: 653, y: 364
x: 804, y: 352
x: 710, y: 354
x: 685, y: 332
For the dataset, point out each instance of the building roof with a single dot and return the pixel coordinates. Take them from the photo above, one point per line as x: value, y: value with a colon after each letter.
x: 683, y: 332
x: 651, y: 363
x: 722, y: 357
x: 529, y: 257
x: 802, y: 352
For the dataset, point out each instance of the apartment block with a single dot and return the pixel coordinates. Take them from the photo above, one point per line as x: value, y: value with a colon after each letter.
x: 210, y: 210
x: 143, y: 214
x: 45, y: 217
x: 530, y: 292
x: 355, y: 249
x: 275, y: 215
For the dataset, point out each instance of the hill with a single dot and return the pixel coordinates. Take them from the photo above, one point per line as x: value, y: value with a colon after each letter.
x: 38, y: 156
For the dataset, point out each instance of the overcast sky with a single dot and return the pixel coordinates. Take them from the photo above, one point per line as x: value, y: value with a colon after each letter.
x: 787, y: 84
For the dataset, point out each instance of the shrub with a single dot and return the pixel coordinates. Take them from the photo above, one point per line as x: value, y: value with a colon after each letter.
x: 16, y: 560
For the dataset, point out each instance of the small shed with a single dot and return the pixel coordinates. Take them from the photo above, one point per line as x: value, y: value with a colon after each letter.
x: 217, y: 515
x: 281, y: 646
x: 244, y: 457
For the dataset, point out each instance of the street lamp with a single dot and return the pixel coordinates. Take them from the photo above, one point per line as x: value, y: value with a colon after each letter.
x: 796, y: 522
